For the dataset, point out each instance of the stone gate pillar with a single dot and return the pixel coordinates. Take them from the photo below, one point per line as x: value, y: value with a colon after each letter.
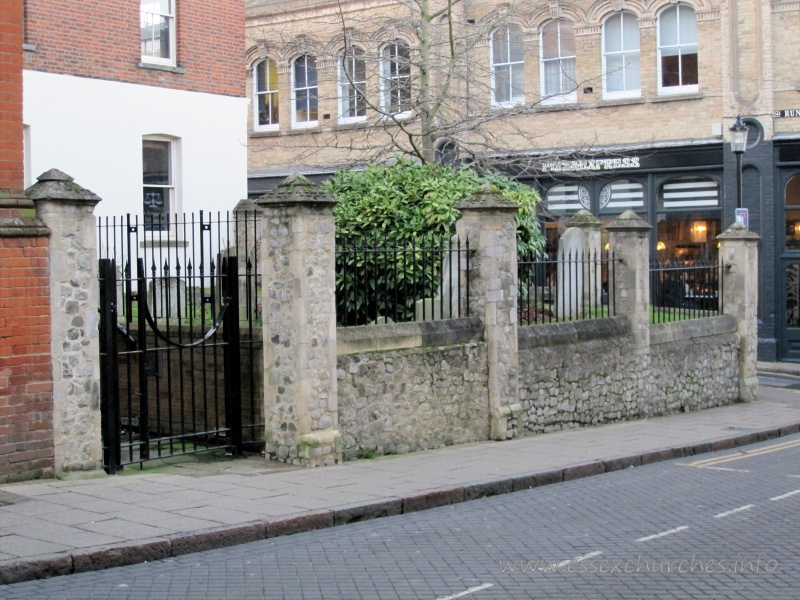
x: 628, y: 239
x: 487, y: 222
x: 67, y: 210
x: 739, y: 255
x: 299, y: 324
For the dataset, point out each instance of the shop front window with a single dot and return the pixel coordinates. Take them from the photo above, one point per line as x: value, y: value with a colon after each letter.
x: 689, y: 220
x: 793, y: 213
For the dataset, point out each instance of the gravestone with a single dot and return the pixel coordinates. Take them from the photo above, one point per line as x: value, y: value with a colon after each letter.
x: 445, y: 304
x: 571, y: 252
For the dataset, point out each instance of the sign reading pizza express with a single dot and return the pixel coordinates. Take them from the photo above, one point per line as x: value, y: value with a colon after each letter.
x: 598, y: 164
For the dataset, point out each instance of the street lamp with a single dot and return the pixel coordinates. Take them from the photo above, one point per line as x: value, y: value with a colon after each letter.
x: 738, y: 146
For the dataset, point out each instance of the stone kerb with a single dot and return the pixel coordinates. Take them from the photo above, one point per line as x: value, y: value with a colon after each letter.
x: 487, y: 223
x: 739, y: 256
x: 67, y: 209
x: 628, y: 240
x: 299, y: 324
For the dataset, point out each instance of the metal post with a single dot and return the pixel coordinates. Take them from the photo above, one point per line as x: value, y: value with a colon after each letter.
x: 738, y: 180
x: 109, y: 357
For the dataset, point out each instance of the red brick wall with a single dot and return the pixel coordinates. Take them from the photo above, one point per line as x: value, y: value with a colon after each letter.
x: 101, y: 39
x: 26, y: 387
x: 11, y: 154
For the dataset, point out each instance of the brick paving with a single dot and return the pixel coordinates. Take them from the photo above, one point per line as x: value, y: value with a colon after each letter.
x: 53, y: 527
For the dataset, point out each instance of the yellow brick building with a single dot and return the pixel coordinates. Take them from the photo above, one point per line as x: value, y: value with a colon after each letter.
x: 605, y: 105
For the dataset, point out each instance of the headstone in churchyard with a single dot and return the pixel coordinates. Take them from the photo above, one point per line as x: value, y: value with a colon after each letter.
x: 569, y: 288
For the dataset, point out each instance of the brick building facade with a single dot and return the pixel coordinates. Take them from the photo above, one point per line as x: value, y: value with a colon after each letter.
x: 121, y: 94
x: 614, y: 104
x: 26, y: 399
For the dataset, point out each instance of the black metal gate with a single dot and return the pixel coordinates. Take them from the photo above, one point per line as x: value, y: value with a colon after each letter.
x: 180, y: 346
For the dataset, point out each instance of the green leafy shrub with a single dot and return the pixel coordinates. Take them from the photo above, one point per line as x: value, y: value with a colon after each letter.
x: 411, y: 206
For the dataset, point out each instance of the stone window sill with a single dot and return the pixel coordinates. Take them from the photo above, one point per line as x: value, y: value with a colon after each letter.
x: 677, y: 97
x: 165, y: 68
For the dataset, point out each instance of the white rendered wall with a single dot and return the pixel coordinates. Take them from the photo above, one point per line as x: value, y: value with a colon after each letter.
x: 92, y: 130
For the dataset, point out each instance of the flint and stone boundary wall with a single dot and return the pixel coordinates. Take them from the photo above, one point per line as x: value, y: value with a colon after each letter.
x: 332, y: 394
x: 396, y: 388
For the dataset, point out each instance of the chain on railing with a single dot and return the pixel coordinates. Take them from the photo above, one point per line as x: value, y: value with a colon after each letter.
x: 680, y: 291
x: 573, y: 286
x: 382, y: 281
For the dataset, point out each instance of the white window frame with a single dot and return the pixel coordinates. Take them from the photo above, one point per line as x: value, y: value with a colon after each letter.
x: 387, y: 78
x: 566, y: 98
x: 172, y: 27
x: 351, y: 54
x: 633, y: 93
x: 271, y: 92
x: 510, y: 65
x: 173, y: 187
x: 676, y: 89
x: 310, y: 123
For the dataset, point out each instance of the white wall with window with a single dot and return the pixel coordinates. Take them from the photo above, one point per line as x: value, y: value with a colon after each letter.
x: 558, y: 62
x: 160, y: 178
x: 265, y: 87
x: 507, y: 59
x: 677, y: 50
x: 621, y: 66
x: 158, y: 33
x: 352, y: 85
x: 94, y: 129
x: 305, y: 102
x: 395, y: 70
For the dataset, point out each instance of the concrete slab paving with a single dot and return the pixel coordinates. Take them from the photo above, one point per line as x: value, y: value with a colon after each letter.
x: 198, y: 505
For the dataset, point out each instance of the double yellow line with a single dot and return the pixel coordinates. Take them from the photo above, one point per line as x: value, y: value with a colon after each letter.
x: 718, y: 460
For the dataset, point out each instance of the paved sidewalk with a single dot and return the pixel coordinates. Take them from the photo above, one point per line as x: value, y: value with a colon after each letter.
x: 54, y: 527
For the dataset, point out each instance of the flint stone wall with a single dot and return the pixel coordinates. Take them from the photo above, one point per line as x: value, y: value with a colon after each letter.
x: 419, y: 386
x: 587, y: 373
x: 422, y: 396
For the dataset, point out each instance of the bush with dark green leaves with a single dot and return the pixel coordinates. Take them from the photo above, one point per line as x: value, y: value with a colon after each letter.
x: 410, y: 207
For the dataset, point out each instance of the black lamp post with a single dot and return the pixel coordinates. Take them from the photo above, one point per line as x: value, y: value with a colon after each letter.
x: 738, y: 145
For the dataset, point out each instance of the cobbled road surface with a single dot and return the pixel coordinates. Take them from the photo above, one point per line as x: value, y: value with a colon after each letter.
x: 721, y: 525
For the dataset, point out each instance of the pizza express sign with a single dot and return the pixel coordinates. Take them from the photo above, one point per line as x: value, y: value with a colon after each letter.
x: 596, y: 164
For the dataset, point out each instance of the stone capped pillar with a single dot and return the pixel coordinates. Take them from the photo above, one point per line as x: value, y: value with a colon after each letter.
x: 67, y: 210
x: 487, y: 222
x: 628, y: 240
x: 299, y: 320
x: 739, y: 256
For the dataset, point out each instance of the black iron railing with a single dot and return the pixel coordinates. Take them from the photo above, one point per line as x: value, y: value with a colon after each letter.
x: 681, y: 291
x: 572, y: 286
x: 382, y: 281
x: 180, y: 315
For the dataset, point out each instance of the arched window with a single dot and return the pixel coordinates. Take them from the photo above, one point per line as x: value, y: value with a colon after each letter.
x: 621, y: 195
x: 265, y: 87
x: 395, y: 70
x: 687, y: 193
x: 793, y: 213
x: 352, y: 85
x: 446, y: 153
x: 508, y: 66
x: 558, y: 62
x: 621, y: 56
x: 304, y: 91
x: 677, y: 50
x: 568, y: 197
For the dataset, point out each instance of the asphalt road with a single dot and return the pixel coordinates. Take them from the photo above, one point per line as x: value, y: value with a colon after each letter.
x: 722, y: 525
